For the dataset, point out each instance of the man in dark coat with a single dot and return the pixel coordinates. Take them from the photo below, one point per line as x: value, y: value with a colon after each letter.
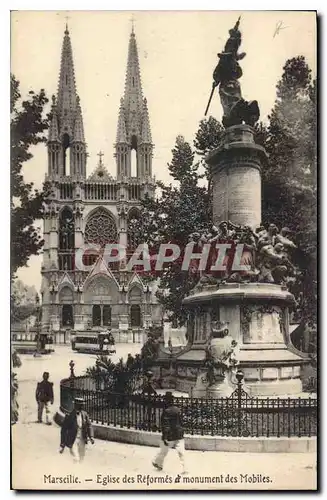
x: 172, y: 433
x: 44, y: 396
x: 148, y: 390
x: 76, y: 430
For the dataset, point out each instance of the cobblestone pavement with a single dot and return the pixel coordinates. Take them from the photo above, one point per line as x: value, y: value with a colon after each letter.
x: 109, y: 465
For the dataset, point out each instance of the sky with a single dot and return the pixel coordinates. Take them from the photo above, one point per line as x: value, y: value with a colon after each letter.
x: 177, y: 54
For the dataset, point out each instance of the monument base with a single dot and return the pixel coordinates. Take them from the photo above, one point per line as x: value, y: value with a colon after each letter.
x: 257, y: 317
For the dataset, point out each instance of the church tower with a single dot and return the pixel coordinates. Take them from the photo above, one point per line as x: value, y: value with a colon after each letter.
x: 81, y: 290
x: 66, y: 144
x: 134, y: 143
x: 62, y: 224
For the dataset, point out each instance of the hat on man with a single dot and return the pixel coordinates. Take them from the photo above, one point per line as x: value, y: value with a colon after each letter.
x: 79, y: 400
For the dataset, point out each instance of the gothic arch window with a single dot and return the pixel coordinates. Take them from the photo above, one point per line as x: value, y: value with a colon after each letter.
x: 66, y: 295
x: 135, y: 295
x: 101, y: 228
x: 66, y: 239
x: 101, y: 290
x: 66, y: 153
x: 134, y: 166
x: 134, y: 229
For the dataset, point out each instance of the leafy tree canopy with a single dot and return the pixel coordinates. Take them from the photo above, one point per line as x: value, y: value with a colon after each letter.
x: 28, y: 124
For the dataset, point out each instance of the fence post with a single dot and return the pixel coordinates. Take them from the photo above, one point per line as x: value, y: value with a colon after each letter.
x: 98, y: 370
x: 239, y: 376
x: 72, y: 374
x: 72, y: 384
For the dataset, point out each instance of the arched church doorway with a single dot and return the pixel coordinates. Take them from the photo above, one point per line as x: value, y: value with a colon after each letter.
x: 101, y: 315
x: 135, y: 316
x: 67, y: 316
x: 106, y: 315
x: 96, y: 315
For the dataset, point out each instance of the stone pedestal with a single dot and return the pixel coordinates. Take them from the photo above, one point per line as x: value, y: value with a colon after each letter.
x: 257, y: 314
x: 236, y: 177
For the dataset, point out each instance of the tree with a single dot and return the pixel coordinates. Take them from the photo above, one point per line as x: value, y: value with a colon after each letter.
x: 28, y: 125
x: 123, y: 377
x: 181, y: 209
x: 22, y: 301
x: 291, y: 172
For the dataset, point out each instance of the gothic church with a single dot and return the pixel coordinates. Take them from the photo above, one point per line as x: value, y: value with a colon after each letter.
x: 97, y: 209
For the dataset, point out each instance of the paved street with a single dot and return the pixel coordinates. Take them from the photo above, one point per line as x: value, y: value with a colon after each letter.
x: 108, y: 465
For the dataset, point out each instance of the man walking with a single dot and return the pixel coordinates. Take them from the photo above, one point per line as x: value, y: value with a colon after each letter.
x: 172, y: 433
x: 44, y: 396
x: 76, y: 430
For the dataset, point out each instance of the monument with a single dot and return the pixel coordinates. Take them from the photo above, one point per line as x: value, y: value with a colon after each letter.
x: 243, y: 314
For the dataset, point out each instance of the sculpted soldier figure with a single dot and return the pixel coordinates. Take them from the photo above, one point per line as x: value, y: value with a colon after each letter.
x: 226, y: 76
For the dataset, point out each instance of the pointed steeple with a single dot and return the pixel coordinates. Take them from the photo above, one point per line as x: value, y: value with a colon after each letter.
x: 78, y: 132
x: 133, y: 129
x: 53, y: 129
x: 146, y: 131
x: 121, y: 128
x: 133, y: 85
x: 67, y: 96
x: 68, y: 156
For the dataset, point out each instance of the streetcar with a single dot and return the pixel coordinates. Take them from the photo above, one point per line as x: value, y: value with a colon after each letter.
x: 93, y: 342
x: 31, y: 342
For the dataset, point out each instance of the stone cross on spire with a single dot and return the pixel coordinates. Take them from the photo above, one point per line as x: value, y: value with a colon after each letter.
x: 100, y: 155
x: 132, y: 21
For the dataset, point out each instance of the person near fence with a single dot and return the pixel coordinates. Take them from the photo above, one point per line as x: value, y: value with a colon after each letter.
x: 44, y: 396
x: 172, y: 433
x: 148, y: 390
x: 76, y: 431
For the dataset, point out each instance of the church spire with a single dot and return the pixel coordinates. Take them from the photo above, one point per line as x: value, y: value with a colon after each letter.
x: 133, y: 85
x: 133, y: 128
x: 67, y: 95
x: 67, y: 128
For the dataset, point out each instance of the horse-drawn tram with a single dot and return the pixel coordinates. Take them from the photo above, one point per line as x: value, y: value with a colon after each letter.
x: 93, y: 342
x: 31, y: 342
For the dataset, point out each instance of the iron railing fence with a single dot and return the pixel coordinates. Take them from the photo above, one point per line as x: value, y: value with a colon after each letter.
x: 237, y: 415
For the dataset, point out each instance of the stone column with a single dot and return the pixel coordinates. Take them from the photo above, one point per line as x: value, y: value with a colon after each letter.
x: 236, y: 177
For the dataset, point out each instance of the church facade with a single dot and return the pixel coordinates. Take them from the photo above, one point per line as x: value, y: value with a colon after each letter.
x: 95, y: 210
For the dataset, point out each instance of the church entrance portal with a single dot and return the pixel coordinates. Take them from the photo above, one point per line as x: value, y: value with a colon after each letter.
x: 135, y: 314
